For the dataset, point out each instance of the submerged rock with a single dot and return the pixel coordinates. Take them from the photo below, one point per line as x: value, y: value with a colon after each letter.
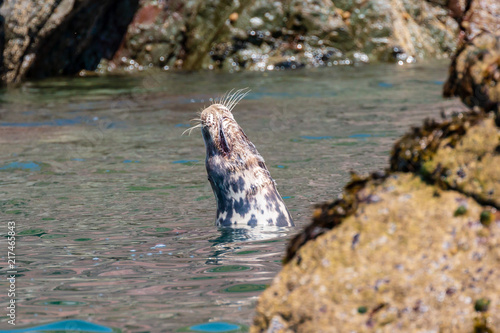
x: 47, y: 38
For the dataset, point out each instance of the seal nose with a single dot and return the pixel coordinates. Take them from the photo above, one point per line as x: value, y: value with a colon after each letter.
x: 207, y: 118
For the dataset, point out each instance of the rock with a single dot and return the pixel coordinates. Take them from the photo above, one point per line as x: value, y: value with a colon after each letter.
x: 460, y: 154
x: 320, y: 33
x: 174, y: 34
x: 207, y: 24
x: 261, y: 35
x: 46, y: 38
x: 475, y: 71
x: 400, y: 30
x: 152, y: 37
x: 401, y: 264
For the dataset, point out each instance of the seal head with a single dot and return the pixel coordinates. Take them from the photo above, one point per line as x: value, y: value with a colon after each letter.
x: 246, y: 194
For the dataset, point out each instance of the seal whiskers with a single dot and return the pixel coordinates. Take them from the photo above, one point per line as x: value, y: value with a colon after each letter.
x: 245, y: 193
x: 190, y: 129
x: 235, y: 98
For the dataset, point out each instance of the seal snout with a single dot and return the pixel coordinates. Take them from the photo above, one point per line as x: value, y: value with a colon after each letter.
x: 214, y: 114
x: 219, y: 129
x: 208, y: 116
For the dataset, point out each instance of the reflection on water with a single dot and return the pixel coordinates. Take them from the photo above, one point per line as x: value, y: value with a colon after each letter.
x: 232, y: 240
x: 115, y: 217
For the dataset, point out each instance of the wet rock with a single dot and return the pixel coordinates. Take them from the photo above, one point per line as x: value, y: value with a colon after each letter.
x: 458, y: 154
x: 475, y: 72
x: 419, y: 145
x: 261, y: 35
x: 321, y: 33
x: 45, y: 38
x: 153, y: 37
x: 176, y: 34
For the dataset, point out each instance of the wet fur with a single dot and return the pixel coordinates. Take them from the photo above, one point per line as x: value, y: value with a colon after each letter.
x: 246, y: 194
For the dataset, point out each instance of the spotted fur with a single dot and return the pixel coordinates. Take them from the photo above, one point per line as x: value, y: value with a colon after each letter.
x: 245, y: 193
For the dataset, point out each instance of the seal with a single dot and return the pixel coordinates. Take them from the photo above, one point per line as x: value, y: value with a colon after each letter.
x: 245, y: 193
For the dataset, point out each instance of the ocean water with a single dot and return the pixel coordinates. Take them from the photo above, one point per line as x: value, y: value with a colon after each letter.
x: 113, y: 212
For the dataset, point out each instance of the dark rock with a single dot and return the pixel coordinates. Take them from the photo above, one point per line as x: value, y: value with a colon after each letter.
x: 475, y: 70
x: 288, y: 64
x: 46, y: 38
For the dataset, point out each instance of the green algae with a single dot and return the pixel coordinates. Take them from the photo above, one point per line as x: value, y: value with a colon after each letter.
x: 14, y: 212
x: 461, y: 210
x: 482, y: 304
x: 362, y: 309
x: 486, y: 218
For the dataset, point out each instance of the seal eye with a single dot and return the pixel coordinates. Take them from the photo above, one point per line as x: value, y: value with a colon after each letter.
x: 223, y: 142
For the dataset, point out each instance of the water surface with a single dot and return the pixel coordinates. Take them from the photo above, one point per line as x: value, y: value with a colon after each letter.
x: 114, y: 213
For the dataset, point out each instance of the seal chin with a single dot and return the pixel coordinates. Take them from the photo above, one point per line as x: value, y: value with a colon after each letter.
x: 246, y: 194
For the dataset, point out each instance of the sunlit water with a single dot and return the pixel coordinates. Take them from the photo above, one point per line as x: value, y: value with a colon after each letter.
x: 113, y: 210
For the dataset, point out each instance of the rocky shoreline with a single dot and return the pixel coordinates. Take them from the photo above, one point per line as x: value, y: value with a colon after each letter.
x: 47, y: 38
x: 415, y: 247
